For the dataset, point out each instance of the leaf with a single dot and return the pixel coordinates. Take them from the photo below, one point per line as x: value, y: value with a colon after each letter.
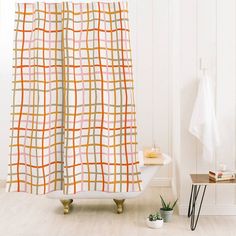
x: 163, y: 202
x: 174, y: 203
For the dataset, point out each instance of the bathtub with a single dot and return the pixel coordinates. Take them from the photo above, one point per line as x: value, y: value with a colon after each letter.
x: 147, y: 174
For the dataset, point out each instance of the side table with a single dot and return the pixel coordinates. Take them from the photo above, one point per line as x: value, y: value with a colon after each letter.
x: 198, y: 181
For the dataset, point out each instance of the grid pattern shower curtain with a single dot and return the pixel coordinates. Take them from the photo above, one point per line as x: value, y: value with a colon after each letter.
x: 73, y: 115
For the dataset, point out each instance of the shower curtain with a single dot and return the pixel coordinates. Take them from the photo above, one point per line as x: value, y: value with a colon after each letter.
x: 73, y: 125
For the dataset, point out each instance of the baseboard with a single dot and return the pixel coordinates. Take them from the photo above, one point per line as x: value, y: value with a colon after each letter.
x: 161, y: 182
x: 222, y: 210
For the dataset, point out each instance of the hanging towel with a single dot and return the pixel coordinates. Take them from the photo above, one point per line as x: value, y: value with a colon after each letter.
x: 203, y: 124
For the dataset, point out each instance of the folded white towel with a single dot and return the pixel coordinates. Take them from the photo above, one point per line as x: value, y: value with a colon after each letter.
x: 203, y: 123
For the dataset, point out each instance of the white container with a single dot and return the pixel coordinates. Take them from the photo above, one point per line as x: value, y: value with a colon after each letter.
x: 154, y: 224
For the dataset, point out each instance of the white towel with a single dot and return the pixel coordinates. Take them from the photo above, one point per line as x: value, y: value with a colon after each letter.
x: 203, y: 123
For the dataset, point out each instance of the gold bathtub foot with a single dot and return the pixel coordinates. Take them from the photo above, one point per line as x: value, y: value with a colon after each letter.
x: 120, y: 205
x: 66, y: 204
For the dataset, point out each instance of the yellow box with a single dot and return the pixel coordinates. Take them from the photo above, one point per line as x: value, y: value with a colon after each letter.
x: 152, y: 152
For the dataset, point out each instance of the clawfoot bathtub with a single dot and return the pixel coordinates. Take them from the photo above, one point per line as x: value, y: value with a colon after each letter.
x: 147, y: 174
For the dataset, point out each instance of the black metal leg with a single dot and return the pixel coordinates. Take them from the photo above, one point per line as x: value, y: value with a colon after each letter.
x: 192, y: 204
x: 194, y: 194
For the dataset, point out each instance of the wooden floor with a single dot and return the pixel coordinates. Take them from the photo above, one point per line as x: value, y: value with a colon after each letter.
x: 27, y: 215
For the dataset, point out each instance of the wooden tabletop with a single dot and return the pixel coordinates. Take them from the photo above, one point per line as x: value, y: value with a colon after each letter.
x: 203, y: 179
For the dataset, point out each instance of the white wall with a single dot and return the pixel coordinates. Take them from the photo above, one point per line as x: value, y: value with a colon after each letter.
x: 208, y: 30
x: 150, y: 21
x: 6, y: 42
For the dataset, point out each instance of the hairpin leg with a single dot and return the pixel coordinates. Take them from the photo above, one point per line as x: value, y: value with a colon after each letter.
x: 66, y: 204
x: 192, y: 204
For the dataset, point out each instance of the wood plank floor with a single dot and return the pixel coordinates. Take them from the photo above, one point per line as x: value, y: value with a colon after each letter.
x: 27, y: 215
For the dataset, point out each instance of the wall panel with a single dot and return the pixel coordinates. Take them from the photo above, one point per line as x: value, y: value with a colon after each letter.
x: 206, y: 57
x: 188, y: 71
x: 225, y: 91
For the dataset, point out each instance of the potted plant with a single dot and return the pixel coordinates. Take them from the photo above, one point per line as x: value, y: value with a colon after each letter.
x: 154, y: 221
x: 167, y: 210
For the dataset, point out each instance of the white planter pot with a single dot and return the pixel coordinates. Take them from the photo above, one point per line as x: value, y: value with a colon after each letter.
x: 154, y: 224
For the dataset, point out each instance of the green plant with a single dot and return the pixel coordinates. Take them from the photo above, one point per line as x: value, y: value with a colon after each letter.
x: 167, y: 206
x: 154, y: 217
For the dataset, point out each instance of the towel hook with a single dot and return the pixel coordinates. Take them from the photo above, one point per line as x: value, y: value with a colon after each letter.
x: 203, y: 65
